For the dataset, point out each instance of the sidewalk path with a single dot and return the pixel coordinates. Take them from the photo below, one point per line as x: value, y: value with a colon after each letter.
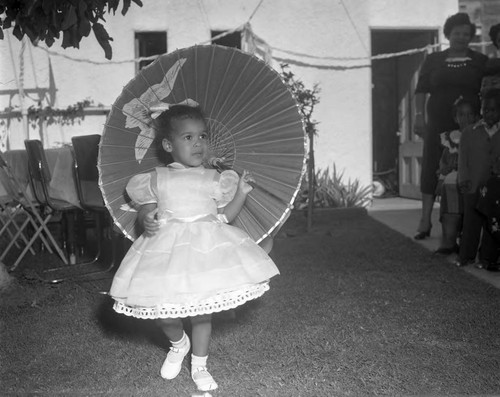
x: 403, y: 214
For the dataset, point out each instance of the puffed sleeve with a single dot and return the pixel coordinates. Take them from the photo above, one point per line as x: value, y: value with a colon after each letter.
x: 140, y: 189
x: 225, y: 188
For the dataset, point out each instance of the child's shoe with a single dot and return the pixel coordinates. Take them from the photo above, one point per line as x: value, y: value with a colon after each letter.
x: 173, y: 363
x: 462, y: 262
x: 203, y: 379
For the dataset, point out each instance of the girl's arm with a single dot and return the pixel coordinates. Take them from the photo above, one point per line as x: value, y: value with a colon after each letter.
x: 233, y: 208
x: 146, y: 219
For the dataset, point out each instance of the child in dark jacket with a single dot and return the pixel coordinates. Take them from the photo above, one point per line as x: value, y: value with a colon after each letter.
x: 479, y: 149
x: 489, y: 206
x: 465, y: 113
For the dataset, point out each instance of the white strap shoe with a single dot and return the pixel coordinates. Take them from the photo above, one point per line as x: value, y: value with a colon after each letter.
x: 203, y: 379
x: 173, y: 363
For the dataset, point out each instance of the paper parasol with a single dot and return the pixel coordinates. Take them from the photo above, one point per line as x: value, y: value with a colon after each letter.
x: 253, y: 120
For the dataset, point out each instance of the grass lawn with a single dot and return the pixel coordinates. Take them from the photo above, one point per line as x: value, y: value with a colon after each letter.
x: 357, y: 310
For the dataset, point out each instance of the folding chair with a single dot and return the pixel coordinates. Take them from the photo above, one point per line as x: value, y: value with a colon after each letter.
x: 40, y: 177
x: 85, y: 152
x: 16, y: 205
x: 9, y: 214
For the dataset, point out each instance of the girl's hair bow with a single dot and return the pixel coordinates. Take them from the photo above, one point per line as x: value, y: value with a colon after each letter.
x: 161, y: 107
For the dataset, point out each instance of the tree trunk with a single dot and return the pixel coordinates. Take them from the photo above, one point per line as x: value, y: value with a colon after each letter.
x: 310, y: 176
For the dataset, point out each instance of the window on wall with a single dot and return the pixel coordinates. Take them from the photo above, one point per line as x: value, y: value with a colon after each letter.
x: 149, y: 43
x: 230, y: 40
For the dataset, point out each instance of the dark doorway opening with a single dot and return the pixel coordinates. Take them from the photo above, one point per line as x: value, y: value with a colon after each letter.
x: 148, y: 44
x: 396, y: 150
x: 229, y: 40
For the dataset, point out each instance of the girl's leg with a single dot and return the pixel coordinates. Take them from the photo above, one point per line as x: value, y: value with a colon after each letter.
x: 202, y: 330
x: 450, y: 224
x: 171, y: 327
x: 471, y: 230
x: 180, y: 347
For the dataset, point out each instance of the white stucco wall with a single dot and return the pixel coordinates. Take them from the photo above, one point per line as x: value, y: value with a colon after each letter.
x: 409, y: 13
x: 316, y: 28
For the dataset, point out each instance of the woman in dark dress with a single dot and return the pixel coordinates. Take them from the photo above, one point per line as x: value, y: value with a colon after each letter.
x: 445, y: 76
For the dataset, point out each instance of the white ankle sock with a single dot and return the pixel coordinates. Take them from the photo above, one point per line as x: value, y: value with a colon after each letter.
x: 197, y: 361
x: 181, y: 342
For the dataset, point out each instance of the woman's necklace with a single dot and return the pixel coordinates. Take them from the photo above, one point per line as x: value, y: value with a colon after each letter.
x: 457, y: 59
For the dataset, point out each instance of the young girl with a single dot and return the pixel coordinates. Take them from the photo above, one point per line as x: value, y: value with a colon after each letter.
x: 465, y: 112
x: 189, y: 262
x: 479, y: 149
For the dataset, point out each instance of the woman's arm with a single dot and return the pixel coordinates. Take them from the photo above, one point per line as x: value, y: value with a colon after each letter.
x: 423, y: 89
x: 419, y: 122
x: 233, y: 208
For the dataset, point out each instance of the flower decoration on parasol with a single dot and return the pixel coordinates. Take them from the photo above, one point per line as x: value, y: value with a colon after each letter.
x: 253, y: 120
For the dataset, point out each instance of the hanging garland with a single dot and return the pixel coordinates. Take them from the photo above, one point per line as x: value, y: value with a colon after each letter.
x: 69, y: 116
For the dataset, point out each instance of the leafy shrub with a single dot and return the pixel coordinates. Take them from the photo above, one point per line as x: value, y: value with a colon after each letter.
x: 332, y: 191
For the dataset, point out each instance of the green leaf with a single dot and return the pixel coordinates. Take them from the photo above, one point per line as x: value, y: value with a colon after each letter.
x: 30, y: 33
x: 49, y: 40
x: 70, y: 18
x: 113, y: 5
x: 84, y: 27
x: 17, y: 32
x: 48, y: 6
x: 126, y: 6
x: 103, y: 38
x: 7, y: 22
x: 66, y: 41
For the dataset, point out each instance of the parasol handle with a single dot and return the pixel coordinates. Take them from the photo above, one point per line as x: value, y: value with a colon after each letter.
x: 218, y: 163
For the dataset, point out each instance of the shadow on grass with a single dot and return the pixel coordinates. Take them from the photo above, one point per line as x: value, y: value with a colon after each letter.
x: 116, y: 325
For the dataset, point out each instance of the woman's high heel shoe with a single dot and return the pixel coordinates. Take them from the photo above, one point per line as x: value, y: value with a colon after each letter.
x: 422, y: 235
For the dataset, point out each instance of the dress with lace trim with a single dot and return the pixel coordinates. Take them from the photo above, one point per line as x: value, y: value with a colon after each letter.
x: 218, y: 303
x: 195, y: 263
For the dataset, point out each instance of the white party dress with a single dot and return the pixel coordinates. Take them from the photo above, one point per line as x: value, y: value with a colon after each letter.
x: 196, y: 263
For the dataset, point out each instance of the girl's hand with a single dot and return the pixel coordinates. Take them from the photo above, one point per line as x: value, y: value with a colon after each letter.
x: 150, y: 224
x: 445, y: 170
x: 244, y: 182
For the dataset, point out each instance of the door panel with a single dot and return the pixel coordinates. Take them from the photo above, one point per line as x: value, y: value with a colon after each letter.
x: 410, y: 145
